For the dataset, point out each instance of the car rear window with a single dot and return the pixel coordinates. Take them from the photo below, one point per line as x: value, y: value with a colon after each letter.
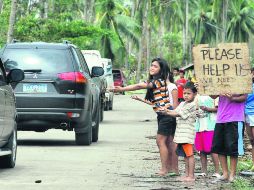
x: 116, y: 76
x: 48, y: 60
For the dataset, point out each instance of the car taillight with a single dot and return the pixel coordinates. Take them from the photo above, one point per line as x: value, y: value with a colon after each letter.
x: 77, y: 77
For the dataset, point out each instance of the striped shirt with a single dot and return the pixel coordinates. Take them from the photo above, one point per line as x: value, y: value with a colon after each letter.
x: 161, y: 96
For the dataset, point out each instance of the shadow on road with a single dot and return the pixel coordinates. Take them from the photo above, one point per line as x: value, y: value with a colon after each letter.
x: 33, y: 142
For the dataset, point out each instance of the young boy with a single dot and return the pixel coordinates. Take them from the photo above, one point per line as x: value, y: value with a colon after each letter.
x: 227, y: 133
x: 185, y: 130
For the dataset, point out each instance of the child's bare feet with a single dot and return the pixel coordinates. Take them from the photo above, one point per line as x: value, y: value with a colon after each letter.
x: 162, y: 172
x: 181, y: 178
x: 189, y: 179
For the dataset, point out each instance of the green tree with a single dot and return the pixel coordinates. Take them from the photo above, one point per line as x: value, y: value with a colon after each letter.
x: 202, y: 26
x: 113, y: 16
x: 240, y: 21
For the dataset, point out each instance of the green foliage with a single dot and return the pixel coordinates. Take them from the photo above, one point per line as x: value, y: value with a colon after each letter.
x: 117, y: 22
x: 173, y: 47
x: 243, y: 184
x: 244, y: 165
x: 241, y: 21
x: 4, y: 21
x: 52, y: 30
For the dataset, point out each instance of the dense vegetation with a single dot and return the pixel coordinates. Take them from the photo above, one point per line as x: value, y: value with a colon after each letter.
x: 131, y: 32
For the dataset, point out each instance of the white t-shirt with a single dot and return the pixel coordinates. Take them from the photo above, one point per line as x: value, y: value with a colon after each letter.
x: 171, y: 87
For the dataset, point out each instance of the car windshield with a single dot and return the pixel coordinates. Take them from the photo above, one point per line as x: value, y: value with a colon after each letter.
x: 92, y: 60
x: 47, y: 60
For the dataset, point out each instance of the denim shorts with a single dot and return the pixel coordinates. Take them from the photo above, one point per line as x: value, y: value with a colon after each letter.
x: 166, y: 125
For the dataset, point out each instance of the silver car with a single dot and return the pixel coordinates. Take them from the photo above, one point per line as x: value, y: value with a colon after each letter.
x: 8, y: 129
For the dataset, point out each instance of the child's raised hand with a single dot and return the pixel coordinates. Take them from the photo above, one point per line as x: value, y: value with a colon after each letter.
x: 116, y: 89
x: 135, y: 97
x: 203, y: 108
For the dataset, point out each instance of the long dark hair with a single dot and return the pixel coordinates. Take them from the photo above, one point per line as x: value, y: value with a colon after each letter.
x: 163, y: 74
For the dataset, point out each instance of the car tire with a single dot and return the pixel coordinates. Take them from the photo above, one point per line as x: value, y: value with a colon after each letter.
x: 85, y: 138
x: 95, y: 133
x: 107, y: 106
x: 9, y: 161
x: 101, y: 112
x: 111, y: 105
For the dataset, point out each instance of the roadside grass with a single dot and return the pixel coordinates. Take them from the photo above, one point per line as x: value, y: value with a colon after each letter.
x: 243, y: 183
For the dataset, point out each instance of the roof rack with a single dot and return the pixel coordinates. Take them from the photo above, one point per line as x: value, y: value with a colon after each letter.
x: 66, y: 42
x: 14, y: 41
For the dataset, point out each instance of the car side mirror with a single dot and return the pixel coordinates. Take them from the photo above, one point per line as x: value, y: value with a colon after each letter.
x: 97, y: 71
x: 15, y: 75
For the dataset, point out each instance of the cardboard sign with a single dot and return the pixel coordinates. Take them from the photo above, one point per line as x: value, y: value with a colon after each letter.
x: 223, y: 69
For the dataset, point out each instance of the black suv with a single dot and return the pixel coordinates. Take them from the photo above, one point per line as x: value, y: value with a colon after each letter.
x: 8, y: 116
x: 58, y: 90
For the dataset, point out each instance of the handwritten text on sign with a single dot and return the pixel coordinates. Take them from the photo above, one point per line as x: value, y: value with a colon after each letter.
x: 224, y: 69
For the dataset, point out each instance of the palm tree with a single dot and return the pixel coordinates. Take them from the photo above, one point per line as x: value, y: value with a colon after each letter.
x: 203, y: 28
x: 240, y: 21
x: 115, y: 17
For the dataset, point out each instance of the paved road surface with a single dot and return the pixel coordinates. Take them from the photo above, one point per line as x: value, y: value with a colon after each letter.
x: 124, y: 158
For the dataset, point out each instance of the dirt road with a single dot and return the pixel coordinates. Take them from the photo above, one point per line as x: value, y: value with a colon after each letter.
x: 125, y: 157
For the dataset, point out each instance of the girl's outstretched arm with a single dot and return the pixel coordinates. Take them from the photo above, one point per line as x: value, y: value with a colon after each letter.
x: 142, y: 85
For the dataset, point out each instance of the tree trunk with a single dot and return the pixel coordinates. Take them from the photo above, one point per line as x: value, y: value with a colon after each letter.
x: 161, y: 32
x: 148, y: 45
x: 28, y: 6
x: 141, y: 43
x: 224, y: 20
x: 1, y: 6
x: 129, y: 42
x: 89, y: 10
x: 12, y: 21
x: 186, y: 31
x: 46, y: 8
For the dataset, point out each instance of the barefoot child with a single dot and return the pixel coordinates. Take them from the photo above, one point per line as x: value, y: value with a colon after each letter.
x: 227, y: 139
x: 204, y: 127
x: 157, y: 95
x: 185, y: 114
x: 172, y: 164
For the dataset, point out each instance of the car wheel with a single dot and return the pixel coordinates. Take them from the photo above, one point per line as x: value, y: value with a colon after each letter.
x: 85, y: 138
x: 107, y: 106
x: 111, y: 105
x: 9, y: 161
x: 102, y: 112
x: 95, y: 133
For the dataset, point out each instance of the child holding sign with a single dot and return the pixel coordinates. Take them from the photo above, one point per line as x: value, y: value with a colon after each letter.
x: 227, y: 133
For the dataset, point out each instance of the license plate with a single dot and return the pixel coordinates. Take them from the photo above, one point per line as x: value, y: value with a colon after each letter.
x: 35, y: 88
